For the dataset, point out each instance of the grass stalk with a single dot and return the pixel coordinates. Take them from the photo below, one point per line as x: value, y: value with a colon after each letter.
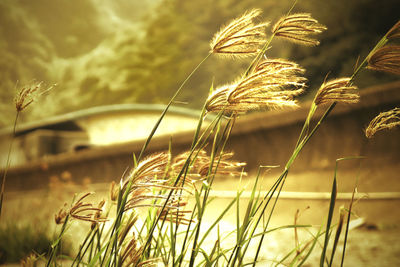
x: 348, y: 222
x: 56, y: 244
x: 201, y: 207
x: 153, y: 131
x: 8, y: 162
x: 329, y: 221
x: 80, y: 255
x: 108, y: 252
x: 183, y: 170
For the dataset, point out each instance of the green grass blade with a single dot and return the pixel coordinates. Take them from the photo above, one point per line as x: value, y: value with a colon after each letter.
x: 337, y: 235
x: 94, y: 261
x: 221, y: 216
x: 329, y: 221
x: 312, y: 246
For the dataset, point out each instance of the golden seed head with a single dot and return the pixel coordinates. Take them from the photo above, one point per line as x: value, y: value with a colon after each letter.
x: 27, y: 94
x: 386, y: 59
x: 298, y: 28
x: 201, y: 163
x: 59, y: 218
x: 97, y: 215
x: 151, y: 173
x: 385, y: 120
x: 173, y: 213
x: 127, y: 226
x: 131, y: 255
x: 273, y: 83
x: 85, y: 211
x: 218, y: 101
x: 394, y: 32
x: 142, y: 195
x: 226, y: 166
x: 241, y: 37
x: 337, y: 90
x: 30, y: 260
x: 152, y: 167
x: 114, y: 191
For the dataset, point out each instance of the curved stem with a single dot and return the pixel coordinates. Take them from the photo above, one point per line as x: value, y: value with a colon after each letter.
x: 153, y: 131
x: 259, y: 55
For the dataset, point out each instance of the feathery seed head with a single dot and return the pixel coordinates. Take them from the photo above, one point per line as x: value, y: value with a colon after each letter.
x: 241, y: 37
x: 279, y: 66
x: 149, y: 174
x: 218, y: 101
x: 30, y: 260
x: 386, y: 59
x: 152, y: 167
x: 226, y: 166
x: 200, y: 165
x: 81, y: 211
x: 337, y: 90
x: 59, y: 218
x: 97, y: 215
x: 84, y: 211
x: 114, y: 190
x: 28, y: 94
x: 394, y: 32
x: 385, y: 120
x: 298, y: 28
x: 173, y: 213
x: 273, y: 83
x: 131, y: 254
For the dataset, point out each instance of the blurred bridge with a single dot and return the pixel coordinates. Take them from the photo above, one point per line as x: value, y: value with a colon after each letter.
x: 99, y: 143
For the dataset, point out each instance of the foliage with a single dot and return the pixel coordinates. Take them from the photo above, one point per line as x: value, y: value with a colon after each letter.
x: 147, y: 219
x: 19, y: 241
x: 161, y: 183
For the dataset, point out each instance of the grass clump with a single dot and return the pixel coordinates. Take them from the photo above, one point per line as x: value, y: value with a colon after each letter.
x: 148, y: 219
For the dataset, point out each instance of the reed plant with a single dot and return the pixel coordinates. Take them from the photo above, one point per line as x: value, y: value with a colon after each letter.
x: 25, y: 96
x: 148, y: 221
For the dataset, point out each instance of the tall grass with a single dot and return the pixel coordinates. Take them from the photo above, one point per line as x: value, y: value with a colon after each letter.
x: 148, y: 221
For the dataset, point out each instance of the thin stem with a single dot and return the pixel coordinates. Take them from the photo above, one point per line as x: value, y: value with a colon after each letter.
x: 80, y: 255
x: 269, y: 219
x: 56, y: 244
x: 167, y: 107
x: 227, y: 131
x: 257, y: 59
x: 3, y: 181
x: 348, y: 222
x: 183, y: 170
x: 303, y: 141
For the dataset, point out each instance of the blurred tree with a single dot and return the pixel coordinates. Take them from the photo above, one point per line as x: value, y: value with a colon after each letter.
x: 126, y: 51
x: 178, y: 36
